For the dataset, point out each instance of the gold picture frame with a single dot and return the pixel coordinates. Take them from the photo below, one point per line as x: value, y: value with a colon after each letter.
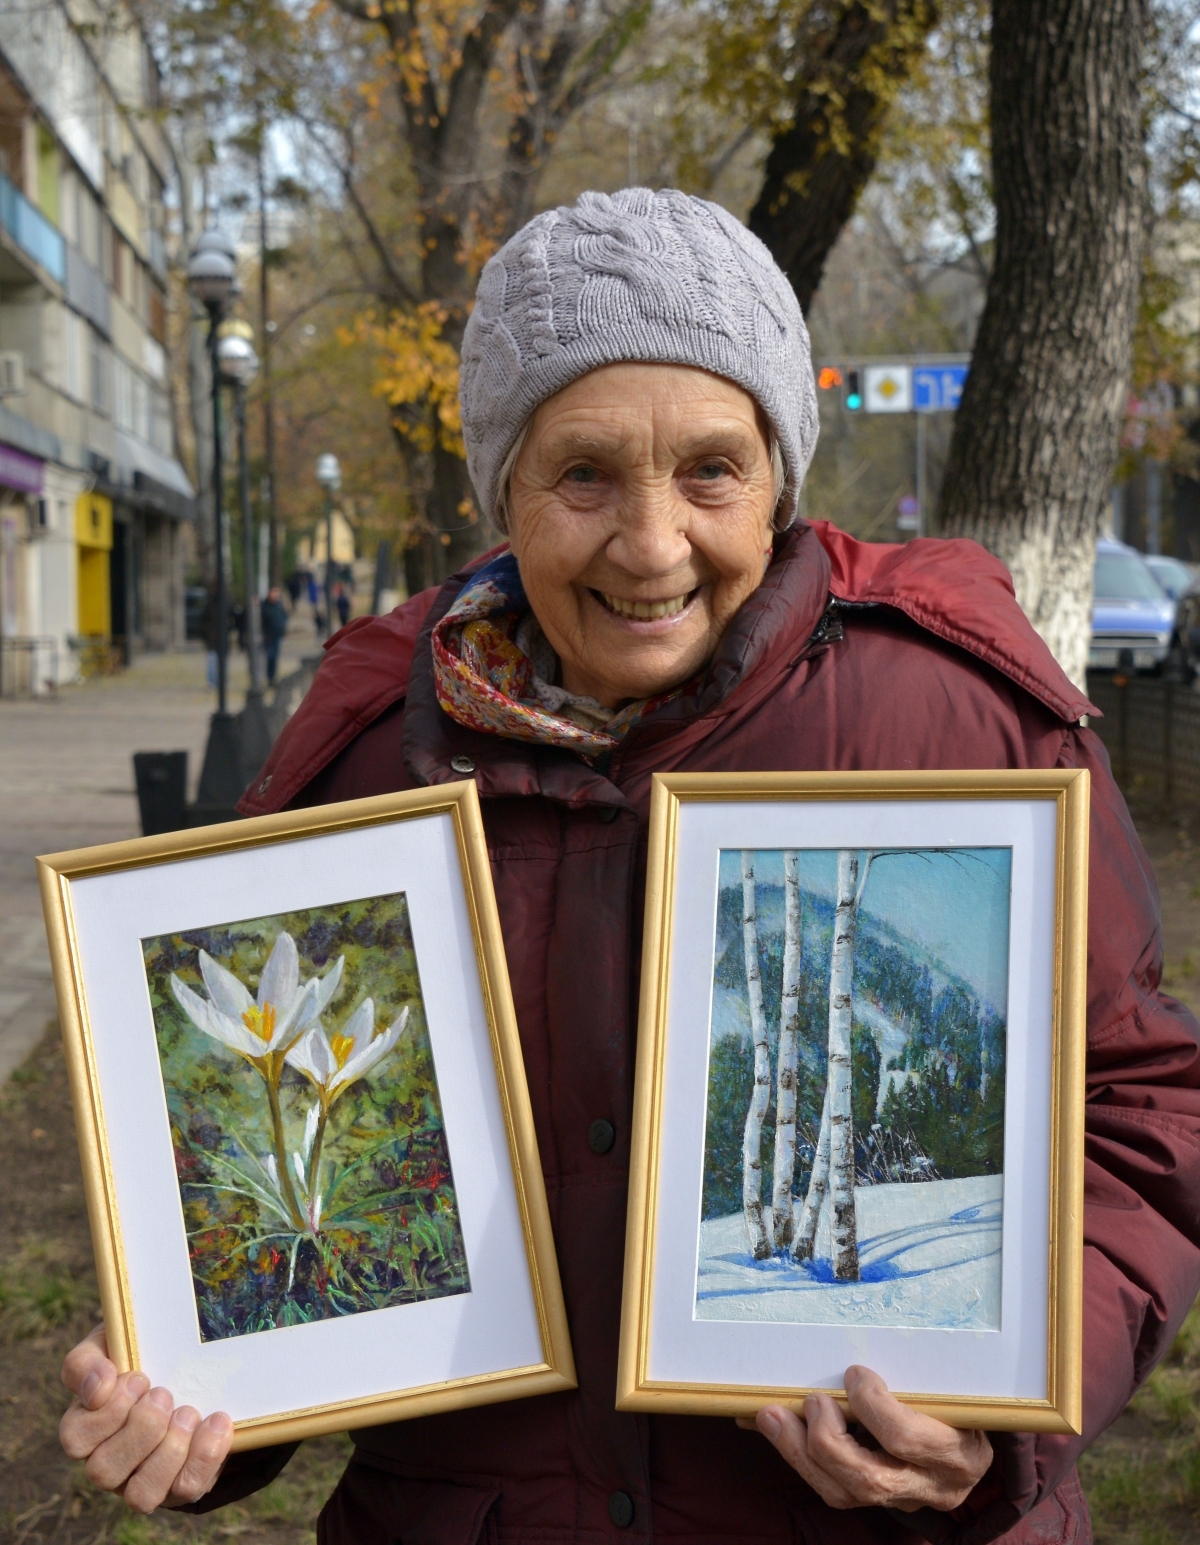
x: 268, y: 837
x: 647, y: 1378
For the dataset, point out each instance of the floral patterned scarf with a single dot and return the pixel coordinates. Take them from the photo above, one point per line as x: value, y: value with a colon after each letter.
x: 495, y: 671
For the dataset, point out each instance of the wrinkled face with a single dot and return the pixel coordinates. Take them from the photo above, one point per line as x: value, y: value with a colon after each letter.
x: 640, y: 512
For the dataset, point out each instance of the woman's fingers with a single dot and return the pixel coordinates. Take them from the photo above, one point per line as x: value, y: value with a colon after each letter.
x: 131, y: 1436
x: 911, y: 1435
x: 88, y: 1372
x: 790, y: 1435
x: 114, y: 1461
x: 82, y: 1429
x: 870, y: 1477
x: 207, y: 1452
x: 922, y: 1462
x: 150, y: 1484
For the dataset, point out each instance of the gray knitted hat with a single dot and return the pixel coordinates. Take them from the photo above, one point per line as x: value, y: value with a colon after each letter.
x: 655, y: 278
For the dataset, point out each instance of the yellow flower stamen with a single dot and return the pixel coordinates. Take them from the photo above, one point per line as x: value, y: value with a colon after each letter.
x: 341, y: 1046
x: 260, y: 1021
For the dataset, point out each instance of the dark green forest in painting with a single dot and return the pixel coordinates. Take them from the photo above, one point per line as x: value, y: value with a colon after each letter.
x: 942, y: 1116
x: 312, y: 1160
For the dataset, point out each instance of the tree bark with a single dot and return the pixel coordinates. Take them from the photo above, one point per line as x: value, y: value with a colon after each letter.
x: 848, y: 70
x: 789, y: 1050
x: 756, y: 1229
x: 818, y: 1184
x: 1035, y: 439
x: 841, y: 1115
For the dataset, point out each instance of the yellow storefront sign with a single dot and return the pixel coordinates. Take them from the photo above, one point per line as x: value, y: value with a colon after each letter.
x: 94, y: 540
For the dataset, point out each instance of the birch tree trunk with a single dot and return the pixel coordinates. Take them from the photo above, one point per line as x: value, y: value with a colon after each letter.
x: 782, y: 1224
x: 756, y: 1229
x: 818, y: 1184
x: 1035, y: 438
x: 841, y: 1117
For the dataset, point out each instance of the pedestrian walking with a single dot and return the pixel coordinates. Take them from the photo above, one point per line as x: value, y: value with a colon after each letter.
x: 274, y: 625
x: 341, y: 600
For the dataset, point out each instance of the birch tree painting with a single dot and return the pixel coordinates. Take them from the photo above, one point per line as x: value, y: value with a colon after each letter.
x: 857, y: 1054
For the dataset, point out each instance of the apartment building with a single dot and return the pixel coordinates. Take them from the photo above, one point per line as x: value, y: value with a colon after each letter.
x: 93, y: 499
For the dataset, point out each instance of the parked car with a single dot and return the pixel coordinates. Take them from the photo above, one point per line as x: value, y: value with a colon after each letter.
x: 1173, y: 574
x: 1132, y: 615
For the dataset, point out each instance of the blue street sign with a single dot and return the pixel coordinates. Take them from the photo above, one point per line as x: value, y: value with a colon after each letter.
x: 937, y: 388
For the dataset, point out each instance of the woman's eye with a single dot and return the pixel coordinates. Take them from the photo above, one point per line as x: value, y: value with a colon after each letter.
x: 583, y: 475
x: 710, y: 471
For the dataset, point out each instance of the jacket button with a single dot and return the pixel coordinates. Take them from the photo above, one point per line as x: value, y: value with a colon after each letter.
x: 610, y: 813
x: 462, y: 764
x: 601, y: 1136
x: 620, y: 1509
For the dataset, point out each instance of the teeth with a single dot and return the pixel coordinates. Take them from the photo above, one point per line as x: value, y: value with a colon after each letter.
x: 644, y: 610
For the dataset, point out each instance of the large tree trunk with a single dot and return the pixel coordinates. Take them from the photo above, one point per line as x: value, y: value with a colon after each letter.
x: 847, y: 74
x: 841, y: 1115
x: 1035, y: 438
x: 789, y: 1053
x: 756, y: 1229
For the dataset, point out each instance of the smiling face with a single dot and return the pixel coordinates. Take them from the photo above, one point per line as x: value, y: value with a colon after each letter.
x: 640, y: 512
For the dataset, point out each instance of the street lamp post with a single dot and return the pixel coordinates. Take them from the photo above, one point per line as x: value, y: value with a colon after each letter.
x: 212, y: 281
x: 239, y: 366
x: 329, y: 475
x: 210, y: 277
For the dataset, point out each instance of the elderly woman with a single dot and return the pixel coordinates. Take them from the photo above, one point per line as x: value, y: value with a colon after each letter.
x: 639, y: 413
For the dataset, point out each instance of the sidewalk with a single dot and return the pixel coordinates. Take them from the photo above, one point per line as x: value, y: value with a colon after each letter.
x: 66, y: 781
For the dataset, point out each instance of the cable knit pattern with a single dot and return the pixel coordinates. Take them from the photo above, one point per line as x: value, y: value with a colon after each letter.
x: 660, y: 278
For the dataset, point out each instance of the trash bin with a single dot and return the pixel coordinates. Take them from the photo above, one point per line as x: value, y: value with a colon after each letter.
x: 161, y: 778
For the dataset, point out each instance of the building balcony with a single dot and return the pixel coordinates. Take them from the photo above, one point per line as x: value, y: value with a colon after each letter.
x: 32, y: 232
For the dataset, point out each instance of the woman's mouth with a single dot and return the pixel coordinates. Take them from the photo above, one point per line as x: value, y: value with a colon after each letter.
x: 644, y: 611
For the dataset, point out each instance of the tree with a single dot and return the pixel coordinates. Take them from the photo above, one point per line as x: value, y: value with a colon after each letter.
x: 756, y: 1229
x: 461, y: 79
x: 850, y: 60
x: 789, y: 1055
x: 1035, y: 438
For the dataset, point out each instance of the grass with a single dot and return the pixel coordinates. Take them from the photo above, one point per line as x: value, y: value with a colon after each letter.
x: 1142, y: 1477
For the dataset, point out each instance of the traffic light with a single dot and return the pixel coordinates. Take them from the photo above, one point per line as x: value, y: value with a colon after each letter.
x: 828, y: 377
x: 853, y: 391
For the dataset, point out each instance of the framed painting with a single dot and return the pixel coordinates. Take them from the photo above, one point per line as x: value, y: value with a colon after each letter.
x: 311, y: 1170
x: 858, y: 1124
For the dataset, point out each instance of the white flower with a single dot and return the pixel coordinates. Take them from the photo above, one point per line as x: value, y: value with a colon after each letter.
x: 272, y: 1022
x: 334, y: 1064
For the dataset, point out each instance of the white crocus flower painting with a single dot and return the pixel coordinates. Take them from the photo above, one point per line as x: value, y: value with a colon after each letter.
x: 334, y: 1063
x: 271, y: 1020
x: 314, y: 1168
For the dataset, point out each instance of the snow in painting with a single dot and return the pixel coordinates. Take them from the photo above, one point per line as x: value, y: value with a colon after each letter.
x: 854, y: 1136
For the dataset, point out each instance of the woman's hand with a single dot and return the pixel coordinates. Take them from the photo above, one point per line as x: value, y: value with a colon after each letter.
x: 133, y: 1438
x: 921, y: 1462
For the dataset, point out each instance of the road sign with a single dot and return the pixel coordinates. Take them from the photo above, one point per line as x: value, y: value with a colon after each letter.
x: 888, y: 388
x: 908, y: 514
x: 937, y: 388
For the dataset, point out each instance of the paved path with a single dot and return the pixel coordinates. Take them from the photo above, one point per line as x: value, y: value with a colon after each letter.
x: 66, y: 781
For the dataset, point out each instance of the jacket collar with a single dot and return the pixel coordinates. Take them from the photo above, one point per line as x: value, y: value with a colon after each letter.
x: 764, y: 636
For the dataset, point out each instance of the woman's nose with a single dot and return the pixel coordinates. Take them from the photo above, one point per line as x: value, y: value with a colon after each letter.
x: 651, y: 537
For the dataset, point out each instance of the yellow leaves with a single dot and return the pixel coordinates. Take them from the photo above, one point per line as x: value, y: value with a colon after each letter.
x: 417, y: 372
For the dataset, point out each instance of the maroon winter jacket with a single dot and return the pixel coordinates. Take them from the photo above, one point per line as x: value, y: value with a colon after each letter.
x: 847, y: 656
